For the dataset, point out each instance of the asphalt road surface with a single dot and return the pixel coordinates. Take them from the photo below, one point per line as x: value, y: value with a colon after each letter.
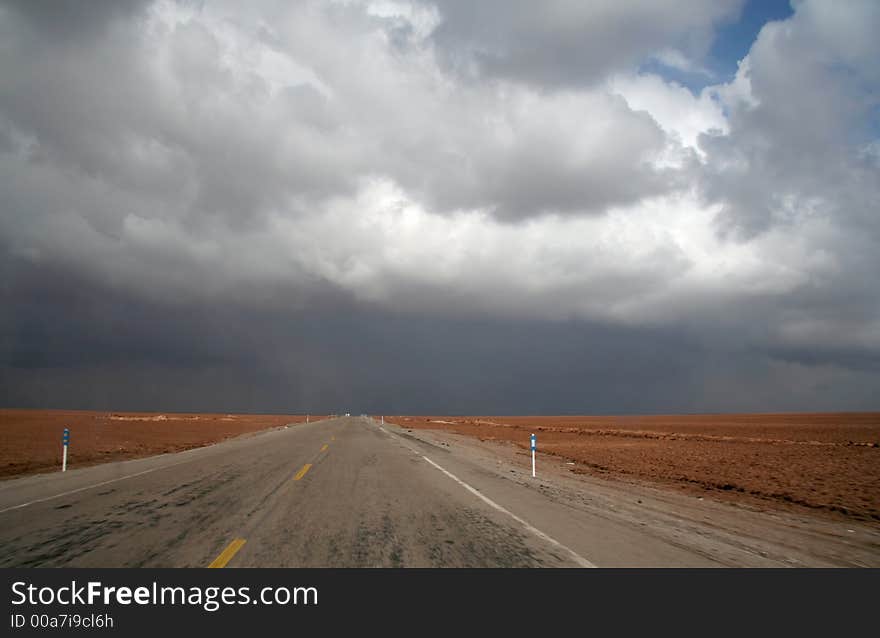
x: 344, y: 492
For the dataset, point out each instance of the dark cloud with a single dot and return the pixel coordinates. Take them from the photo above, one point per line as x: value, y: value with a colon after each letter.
x: 65, y: 20
x: 402, y: 207
x: 567, y: 42
x: 85, y: 346
x: 799, y: 161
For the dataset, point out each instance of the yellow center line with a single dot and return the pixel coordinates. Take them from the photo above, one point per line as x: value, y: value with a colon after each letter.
x: 324, y: 447
x: 227, y: 554
x: 302, y: 472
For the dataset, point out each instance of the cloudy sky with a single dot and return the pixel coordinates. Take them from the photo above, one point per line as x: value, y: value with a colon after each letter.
x: 408, y: 206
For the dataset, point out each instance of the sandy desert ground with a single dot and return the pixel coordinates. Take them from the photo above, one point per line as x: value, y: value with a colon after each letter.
x: 825, y: 463
x: 30, y: 440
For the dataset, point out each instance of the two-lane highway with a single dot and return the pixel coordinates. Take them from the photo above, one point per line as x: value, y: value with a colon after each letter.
x: 341, y: 492
x: 350, y: 492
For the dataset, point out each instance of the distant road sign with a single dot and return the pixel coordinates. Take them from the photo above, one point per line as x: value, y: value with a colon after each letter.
x: 65, y: 441
x: 534, y: 442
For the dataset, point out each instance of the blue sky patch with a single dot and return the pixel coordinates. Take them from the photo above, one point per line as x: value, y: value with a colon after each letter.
x: 732, y: 43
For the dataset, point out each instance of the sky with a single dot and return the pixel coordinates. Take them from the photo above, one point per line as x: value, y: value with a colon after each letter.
x: 440, y: 207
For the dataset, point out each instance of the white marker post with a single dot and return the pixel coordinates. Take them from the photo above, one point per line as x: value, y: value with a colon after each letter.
x: 307, y: 418
x: 534, y: 442
x: 383, y: 419
x: 65, y: 441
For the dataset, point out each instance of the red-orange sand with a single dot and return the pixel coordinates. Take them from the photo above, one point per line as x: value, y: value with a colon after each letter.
x: 30, y: 440
x: 824, y: 462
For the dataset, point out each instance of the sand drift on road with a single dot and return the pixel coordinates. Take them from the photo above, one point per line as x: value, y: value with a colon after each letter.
x: 827, y: 463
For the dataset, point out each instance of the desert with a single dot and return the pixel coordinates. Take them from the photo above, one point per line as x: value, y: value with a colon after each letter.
x: 30, y: 440
x: 824, y: 463
x: 827, y: 463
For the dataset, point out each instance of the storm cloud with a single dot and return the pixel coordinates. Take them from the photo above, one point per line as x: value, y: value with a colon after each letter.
x: 567, y: 42
x: 411, y: 206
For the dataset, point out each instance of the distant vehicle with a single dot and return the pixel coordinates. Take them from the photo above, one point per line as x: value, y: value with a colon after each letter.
x: 347, y: 414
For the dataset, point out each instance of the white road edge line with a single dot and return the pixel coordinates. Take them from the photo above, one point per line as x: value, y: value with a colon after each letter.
x: 122, y: 478
x: 580, y: 560
x: 89, y: 487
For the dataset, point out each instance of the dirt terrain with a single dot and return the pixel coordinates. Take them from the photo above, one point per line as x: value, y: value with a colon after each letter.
x: 30, y: 440
x: 827, y: 463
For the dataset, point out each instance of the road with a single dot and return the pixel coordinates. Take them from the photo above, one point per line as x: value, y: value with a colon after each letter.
x: 349, y: 492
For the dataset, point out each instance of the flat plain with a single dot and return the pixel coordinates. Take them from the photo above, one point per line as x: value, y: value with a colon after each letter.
x: 30, y: 440
x: 828, y: 463
x: 354, y: 492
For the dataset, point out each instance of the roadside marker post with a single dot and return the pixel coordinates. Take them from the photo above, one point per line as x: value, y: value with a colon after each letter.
x: 65, y: 441
x: 534, y: 442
